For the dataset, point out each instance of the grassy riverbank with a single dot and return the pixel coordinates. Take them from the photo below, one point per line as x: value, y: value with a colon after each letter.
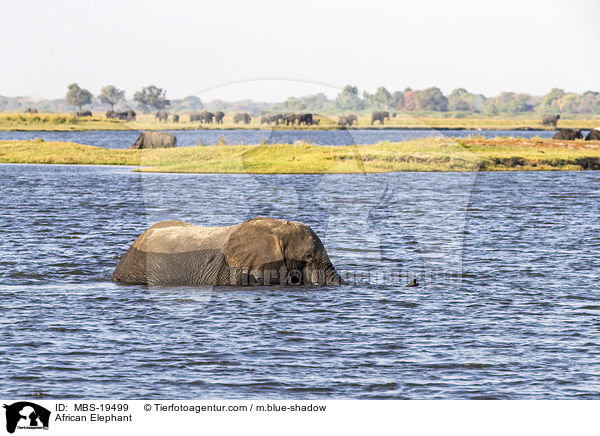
x: 69, y: 122
x: 433, y: 154
x: 57, y: 122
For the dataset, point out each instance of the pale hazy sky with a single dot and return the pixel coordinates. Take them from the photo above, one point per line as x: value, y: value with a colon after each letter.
x: 199, y: 48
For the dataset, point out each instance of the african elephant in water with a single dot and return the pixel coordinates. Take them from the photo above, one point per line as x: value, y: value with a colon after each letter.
x: 256, y: 252
x: 155, y: 140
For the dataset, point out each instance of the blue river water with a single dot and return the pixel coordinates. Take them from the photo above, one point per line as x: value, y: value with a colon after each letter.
x: 186, y: 138
x: 508, y: 306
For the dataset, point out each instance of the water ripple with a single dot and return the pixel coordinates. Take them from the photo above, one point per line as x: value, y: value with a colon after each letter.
x: 514, y: 317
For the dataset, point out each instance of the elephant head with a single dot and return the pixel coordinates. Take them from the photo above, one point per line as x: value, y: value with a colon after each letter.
x: 288, y: 252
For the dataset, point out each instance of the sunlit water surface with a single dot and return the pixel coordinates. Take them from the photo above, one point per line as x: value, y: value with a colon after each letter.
x: 508, y: 305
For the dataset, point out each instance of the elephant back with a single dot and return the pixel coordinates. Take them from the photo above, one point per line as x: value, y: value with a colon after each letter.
x: 175, y: 253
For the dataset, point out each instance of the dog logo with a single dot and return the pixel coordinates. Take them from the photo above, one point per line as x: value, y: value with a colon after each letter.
x: 26, y: 415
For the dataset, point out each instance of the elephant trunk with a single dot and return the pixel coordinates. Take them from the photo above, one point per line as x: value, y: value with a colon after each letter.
x: 333, y: 278
x: 322, y: 272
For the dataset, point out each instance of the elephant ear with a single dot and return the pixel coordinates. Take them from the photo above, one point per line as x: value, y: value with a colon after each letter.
x: 255, y: 245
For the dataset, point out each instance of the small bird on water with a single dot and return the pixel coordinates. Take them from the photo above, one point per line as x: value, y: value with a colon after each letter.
x: 412, y: 284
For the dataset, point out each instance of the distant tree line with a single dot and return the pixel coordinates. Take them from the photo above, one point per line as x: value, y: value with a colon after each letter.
x: 153, y: 98
x: 432, y: 99
x: 460, y: 100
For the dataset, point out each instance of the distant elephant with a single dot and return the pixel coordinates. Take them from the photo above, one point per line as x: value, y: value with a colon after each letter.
x: 242, y: 117
x: 259, y: 251
x: 111, y: 114
x: 206, y: 117
x: 347, y: 120
x: 151, y: 139
x: 568, y: 134
x: 129, y: 115
x: 195, y: 116
x: 288, y: 119
x: 162, y: 115
x: 31, y: 110
x: 84, y: 113
x: 219, y: 115
x: 175, y: 118
x: 379, y: 116
x: 271, y: 118
x: 594, y: 135
x: 306, y: 119
x: 550, y: 120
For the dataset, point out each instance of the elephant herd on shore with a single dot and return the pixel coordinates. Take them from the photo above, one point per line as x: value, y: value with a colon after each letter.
x: 207, y: 117
x: 128, y: 115
x: 290, y: 119
x: 309, y: 119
